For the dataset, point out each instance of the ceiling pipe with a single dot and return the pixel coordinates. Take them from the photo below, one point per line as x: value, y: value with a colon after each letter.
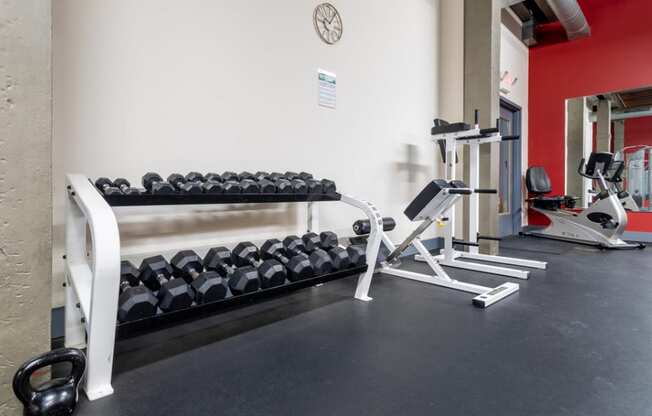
x: 571, y: 17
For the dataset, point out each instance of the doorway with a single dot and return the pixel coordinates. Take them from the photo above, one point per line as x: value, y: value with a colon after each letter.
x: 509, y: 188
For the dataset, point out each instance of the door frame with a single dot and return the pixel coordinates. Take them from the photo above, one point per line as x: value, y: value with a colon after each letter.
x: 516, y: 205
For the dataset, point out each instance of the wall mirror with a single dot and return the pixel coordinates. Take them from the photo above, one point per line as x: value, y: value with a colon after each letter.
x: 618, y: 122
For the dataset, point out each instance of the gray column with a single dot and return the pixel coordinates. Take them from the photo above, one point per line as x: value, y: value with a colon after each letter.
x: 481, y: 82
x: 25, y: 183
x: 619, y: 135
x: 574, y: 144
x: 603, y: 142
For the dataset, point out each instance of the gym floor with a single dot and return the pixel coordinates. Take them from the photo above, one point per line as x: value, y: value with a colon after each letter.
x: 576, y: 340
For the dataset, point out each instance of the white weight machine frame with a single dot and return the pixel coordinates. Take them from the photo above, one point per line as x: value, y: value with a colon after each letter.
x: 451, y: 257
x: 436, y: 210
x: 92, y: 275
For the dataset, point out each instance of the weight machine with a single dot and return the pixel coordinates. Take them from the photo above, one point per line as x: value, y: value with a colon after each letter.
x: 433, y: 205
x: 448, y: 136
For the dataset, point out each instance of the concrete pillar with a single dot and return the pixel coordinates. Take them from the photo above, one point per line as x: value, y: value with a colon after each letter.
x: 451, y: 82
x: 619, y: 135
x: 481, y: 82
x: 25, y: 183
x: 603, y: 142
x: 575, y: 113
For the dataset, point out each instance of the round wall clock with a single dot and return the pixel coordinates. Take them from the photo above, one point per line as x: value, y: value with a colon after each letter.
x: 328, y: 23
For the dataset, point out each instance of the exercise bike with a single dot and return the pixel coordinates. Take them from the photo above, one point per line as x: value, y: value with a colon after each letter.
x: 602, y: 224
x: 615, y: 178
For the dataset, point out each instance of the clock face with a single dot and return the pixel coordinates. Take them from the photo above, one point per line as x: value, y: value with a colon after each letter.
x: 328, y: 23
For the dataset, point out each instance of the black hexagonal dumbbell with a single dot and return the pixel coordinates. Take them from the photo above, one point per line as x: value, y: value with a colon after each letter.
x: 298, y: 266
x: 272, y: 273
x: 195, y: 177
x: 207, y: 286
x: 107, y: 187
x: 328, y: 186
x: 135, y: 301
x: 126, y: 187
x: 275, y: 176
x: 283, y: 186
x: 320, y: 260
x: 156, y: 185
x: 241, y: 280
x: 328, y: 242
x: 314, y: 186
x: 260, y: 175
x: 246, y: 175
x: 213, y: 177
x: 173, y: 294
x: 249, y: 186
x: 229, y: 176
x: 185, y: 187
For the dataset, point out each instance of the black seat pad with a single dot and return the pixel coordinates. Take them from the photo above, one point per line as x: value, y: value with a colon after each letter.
x: 537, y: 180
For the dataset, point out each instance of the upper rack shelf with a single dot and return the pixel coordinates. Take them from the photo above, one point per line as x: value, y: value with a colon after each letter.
x: 201, y: 199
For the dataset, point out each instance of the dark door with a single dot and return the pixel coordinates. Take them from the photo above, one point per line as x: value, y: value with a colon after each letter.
x: 509, y: 190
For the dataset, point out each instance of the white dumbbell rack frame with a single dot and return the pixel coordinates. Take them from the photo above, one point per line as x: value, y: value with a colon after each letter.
x: 92, y: 273
x: 450, y: 257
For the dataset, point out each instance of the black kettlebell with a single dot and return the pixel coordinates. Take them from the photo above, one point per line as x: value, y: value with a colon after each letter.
x: 57, y: 397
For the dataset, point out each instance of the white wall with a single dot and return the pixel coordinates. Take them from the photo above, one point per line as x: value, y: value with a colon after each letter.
x: 514, y: 58
x: 220, y: 85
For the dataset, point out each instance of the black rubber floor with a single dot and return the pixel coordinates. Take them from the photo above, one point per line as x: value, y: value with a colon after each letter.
x: 576, y: 340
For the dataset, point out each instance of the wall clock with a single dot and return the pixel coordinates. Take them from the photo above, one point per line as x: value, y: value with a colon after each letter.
x: 328, y: 23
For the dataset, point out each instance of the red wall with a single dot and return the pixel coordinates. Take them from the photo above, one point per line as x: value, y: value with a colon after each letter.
x: 638, y: 131
x: 617, y: 56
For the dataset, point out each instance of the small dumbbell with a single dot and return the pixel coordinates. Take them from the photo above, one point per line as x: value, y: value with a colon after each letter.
x: 241, y: 280
x: 298, y: 266
x: 321, y: 260
x: 126, y: 187
x: 272, y: 273
x: 180, y: 183
x: 107, y: 187
x: 260, y: 175
x: 246, y: 175
x: 229, y: 176
x: 249, y: 186
x: 213, y: 177
x: 328, y: 186
x: 195, y: 177
x: 328, y: 242
x: 135, y: 301
x: 173, y: 294
x: 207, y: 286
x: 156, y: 185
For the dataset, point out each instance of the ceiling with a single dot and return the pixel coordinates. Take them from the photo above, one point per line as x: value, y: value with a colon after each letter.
x: 537, y: 9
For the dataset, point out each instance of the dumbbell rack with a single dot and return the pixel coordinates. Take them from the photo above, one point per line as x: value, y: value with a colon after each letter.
x: 92, y: 269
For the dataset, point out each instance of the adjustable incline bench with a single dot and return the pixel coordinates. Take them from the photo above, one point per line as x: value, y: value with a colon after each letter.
x: 431, y: 205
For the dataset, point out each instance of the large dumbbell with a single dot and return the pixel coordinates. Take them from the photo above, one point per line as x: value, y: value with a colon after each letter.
x: 208, y: 286
x: 107, y: 187
x: 241, y: 280
x: 156, y: 185
x: 320, y: 260
x: 272, y: 272
x: 328, y: 242
x: 294, y: 186
x: 185, y: 187
x: 173, y: 294
x: 135, y: 301
x: 298, y: 266
x: 250, y: 186
x: 126, y: 188
x: 229, y: 176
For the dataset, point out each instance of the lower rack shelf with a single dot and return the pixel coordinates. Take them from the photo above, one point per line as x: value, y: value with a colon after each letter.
x: 131, y: 329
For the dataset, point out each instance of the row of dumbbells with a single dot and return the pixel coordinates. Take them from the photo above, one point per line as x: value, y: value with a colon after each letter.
x: 188, y: 279
x: 225, y: 183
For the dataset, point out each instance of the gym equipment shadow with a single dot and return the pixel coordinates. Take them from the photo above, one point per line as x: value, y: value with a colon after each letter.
x: 146, y: 349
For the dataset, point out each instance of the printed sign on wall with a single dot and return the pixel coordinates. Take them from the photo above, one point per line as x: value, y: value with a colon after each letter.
x: 327, y: 88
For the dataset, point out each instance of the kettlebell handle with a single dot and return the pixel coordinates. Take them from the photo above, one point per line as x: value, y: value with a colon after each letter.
x: 21, y: 383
